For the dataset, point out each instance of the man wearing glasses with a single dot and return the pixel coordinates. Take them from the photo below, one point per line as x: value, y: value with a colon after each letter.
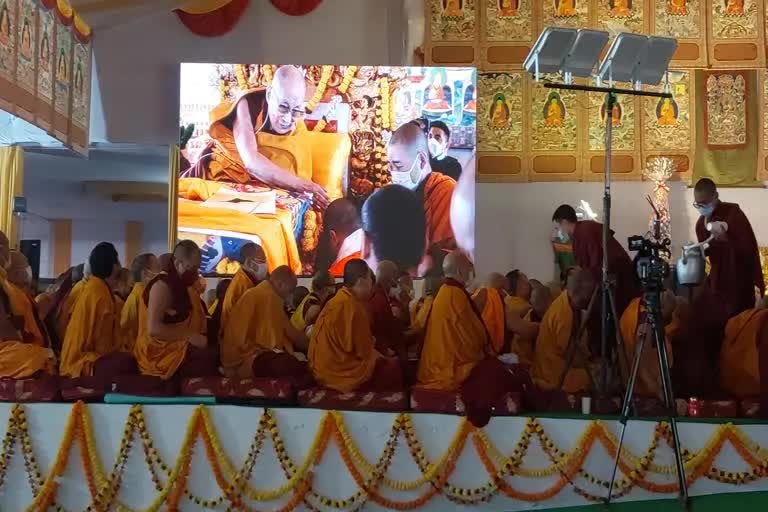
x: 247, y: 144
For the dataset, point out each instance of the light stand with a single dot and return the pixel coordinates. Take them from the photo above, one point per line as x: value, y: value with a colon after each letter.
x: 639, y: 60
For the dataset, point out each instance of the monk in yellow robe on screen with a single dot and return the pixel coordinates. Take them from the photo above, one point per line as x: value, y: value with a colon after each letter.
x: 633, y: 325
x: 91, y: 344
x: 172, y: 341
x: 24, y: 348
x: 252, y: 271
x: 259, y: 340
x: 342, y: 350
x: 742, y: 374
x: 560, y: 324
x: 143, y: 269
x: 409, y: 166
x: 458, y: 354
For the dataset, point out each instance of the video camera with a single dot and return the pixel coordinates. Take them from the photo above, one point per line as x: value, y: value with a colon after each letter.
x: 651, y: 261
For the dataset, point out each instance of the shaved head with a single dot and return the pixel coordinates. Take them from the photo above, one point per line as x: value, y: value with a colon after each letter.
x: 341, y: 219
x: 285, y: 99
x: 705, y: 192
x: 186, y: 250
x: 408, y: 155
x: 186, y: 257
x: 17, y: 269
x: 497, y: 281
x: 432, y: 282
x: 164, y: 259
x: 251, y: 250
x: 144, y: 267
x: 284, y: 281
x: 358, y: 279
x: 458, y: 266
x: 387, y: 273
x: 580, y: 286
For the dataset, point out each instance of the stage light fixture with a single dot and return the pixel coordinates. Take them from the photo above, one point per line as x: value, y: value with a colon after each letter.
x: 654, y: 60
x: 550, y: 50
x: 584, y: 54
x: 621, y: 61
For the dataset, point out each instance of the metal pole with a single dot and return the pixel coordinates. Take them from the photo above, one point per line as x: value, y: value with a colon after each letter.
x: 610, y: 101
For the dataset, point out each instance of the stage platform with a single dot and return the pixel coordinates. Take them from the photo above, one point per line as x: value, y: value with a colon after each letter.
x: 220, y: 457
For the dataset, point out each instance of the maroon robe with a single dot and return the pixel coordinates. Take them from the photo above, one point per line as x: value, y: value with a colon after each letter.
x: 385, y: 327
x: 588, y: 253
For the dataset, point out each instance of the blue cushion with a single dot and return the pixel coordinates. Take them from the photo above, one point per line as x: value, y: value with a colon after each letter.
x: 118, y: 398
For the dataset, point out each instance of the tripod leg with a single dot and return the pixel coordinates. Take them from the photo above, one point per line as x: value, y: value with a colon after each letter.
x: 626, y: 407
x: 669, y: 402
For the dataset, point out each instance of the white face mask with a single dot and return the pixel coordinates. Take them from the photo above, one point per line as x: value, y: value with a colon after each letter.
x: 260, y: 270
x: 404, y: 178
x: 436, y: 149
x: 395, y: 292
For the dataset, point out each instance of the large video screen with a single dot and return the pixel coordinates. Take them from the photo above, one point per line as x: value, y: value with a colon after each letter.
x: 323, y: 164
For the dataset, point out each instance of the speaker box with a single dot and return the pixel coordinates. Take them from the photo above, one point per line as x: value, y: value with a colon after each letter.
x: 31, y: 249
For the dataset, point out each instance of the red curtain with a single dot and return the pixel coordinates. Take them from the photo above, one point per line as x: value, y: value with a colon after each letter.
x: 296, y: 7
x: 214, y: 23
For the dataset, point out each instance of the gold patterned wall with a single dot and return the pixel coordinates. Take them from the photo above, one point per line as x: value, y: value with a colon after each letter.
x: 527, y: 132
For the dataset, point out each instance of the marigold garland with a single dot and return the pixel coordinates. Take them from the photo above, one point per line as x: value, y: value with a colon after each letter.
x: 369, y: 477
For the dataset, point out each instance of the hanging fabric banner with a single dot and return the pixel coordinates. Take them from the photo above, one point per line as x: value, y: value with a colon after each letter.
x: 296, y: 7
x: 212, y: 18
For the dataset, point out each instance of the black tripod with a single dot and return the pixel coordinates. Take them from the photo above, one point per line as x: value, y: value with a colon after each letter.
x: 652, y: 302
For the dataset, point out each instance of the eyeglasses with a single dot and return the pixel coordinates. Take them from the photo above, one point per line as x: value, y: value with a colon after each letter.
x: 285, y: 110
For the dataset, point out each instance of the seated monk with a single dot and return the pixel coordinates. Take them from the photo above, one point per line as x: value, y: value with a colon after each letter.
x: 342, y: 237
x: 91, y: 346
x: 457, y: 352
x: 541, y: 299
x: 64, y: 313
x: 172, y: 342
x: 24, y: 348
x: 388, y: 319
x: 634, y: 324
x: 743, y: 361
x: 342, y: 353
x: 143, y: 269
x: 253, y: 270
x: 421, y: 308
x: 259, y: 340
x: 518, y: 303
x: 323, y: 288
x: 561, y: 323
x: 214, y: 311
x: 489, y: 300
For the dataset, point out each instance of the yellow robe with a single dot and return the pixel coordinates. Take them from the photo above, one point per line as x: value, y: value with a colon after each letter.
x: 258, y: 324
x: 162, y: 358
x: 420, y: 314
x: 555, y: 331
x: 297, y: 318
x: 240, y: 284
x: 648, y: 376
x: 740, y: 353
x: 493, y: 316
x: 455, y: 341
x: 341, y: 349
x: 67, y: 306
x: 524, y: 348
x: 22, y: 359
x: 91, y: 332
x: 129, y: 316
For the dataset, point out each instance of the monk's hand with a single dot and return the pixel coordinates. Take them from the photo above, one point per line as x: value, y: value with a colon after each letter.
x: 388, y: 352
x: 319, y: 195
x: 198, y: 340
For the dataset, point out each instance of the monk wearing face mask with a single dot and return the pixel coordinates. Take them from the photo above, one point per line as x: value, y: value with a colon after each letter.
x: 253, y: 270
x: 172, y: 341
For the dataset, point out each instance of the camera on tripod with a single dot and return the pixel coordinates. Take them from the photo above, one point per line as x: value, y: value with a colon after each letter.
x: 651, y: 261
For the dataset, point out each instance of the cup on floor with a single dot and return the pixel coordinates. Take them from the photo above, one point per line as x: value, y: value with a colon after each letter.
x: 586, y: 405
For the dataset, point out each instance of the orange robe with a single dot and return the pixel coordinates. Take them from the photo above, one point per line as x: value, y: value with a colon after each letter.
x: 524, y: 348
x: 337, y: 269
x: 258, y: 324
x: 30, y: 353
x: 342, y: 354
x: 129, y: 316
x: 420, y: 314
x: 67, y: 306
x: 648, y: 376
x: 745, y: 335
x: 91, y: 333
x: 162, y: 358
x: 493, y: 315
x: 455, y: 340
x: 241, y: 283
x: 437, y: 193
x: 559, y: 324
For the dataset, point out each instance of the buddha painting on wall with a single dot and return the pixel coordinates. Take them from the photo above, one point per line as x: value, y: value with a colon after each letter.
x: 438, y: 94
x: 677, y: 7
x: 734, y: 7
x: 61, y: 67
x: 565, y: 8
x: 666, y: 112
x: 499, y: 113
x: 5, y: 24
x: 621, y: 8
x: 554, y: 111
x: 470, y: 105
x: 508, y: 8
x: 616, y: 115
x: 453, y: 8
x: 45, y: 51
x: 26, y: 40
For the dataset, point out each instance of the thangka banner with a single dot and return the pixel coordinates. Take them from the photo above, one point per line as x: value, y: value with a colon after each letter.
x: 45, y: 67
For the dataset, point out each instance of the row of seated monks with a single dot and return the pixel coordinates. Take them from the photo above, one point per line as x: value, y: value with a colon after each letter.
x: 350, y: 337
